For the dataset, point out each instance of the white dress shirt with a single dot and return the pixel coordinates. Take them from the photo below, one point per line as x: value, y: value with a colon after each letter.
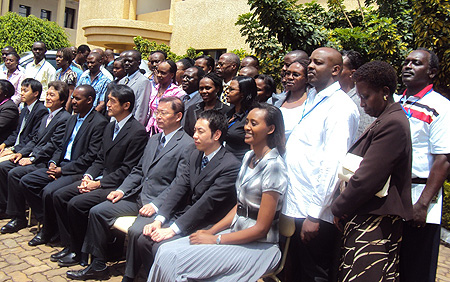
x: 43, y: 72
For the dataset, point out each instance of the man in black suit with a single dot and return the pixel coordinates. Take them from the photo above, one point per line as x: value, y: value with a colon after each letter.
x: 81, y: 143
x: 204, y: 193
x: 142, y: 193
x: 124, y: 141
x: 190, y: 84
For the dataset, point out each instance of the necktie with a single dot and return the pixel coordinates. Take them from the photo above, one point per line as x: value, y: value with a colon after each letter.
x: 116, y: 130
x: 127, y: 79
x: 49, y: 119
x: 160, y: 145
x: 26, y: 112
x: 223, y: 96
x: 205, y: 162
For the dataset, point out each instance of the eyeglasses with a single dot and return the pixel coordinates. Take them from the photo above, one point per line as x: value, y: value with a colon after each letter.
x: 294, y: 74
x: 162, y: 113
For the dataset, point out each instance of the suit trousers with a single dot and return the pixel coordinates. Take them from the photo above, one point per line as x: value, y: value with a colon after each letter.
x: 315, y: 261
x: 72, y: 211
x: 102, y: 218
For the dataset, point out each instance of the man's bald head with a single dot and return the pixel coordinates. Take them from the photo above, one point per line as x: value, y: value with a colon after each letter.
x: 248, y: 71
x: 324, y: 67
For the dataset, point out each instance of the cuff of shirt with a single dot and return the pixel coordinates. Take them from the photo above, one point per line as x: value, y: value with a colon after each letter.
x: 314, y: 211
x: 154, y: 207
x: 160, y: 218
x: 51, y: 162
x: 123, y: 193
x: 175, y: 228
x: 88, y: 175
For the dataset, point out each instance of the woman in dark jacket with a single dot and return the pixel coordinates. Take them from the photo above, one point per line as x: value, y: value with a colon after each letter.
x: 9, y: 113
x: 374, y: 220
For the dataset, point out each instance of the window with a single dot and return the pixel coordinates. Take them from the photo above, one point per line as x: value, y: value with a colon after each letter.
x: 46, y: 14
x: 24, y: 11
x: 69, y: 18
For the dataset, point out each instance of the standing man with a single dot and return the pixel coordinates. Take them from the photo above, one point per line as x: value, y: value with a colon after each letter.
x: 95, y: 78
x: 206, y: 63
x: 140, y: 85
x: 190, y: 85
x: 39, y: 68
x: 429, y: 119
x: 155, y: 58
x: 250, y: 61
x: 313, y: 151
x: 109, y: 55
x: 227, y: 68
x: 142, y: 193
x: 81, y: 57
x: 37, y: 152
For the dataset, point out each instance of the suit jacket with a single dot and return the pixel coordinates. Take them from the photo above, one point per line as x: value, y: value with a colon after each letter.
x: 117, y: 157
x: 194, y: 111
x: 9, y: 117
x: 386, y: 150
x: 234, y: 139
x: 202, y: 197
x: 191, y: 102
x: 31, y: 126
x: 48, y: 138
x: 142, y: 88
x: 86, y: 143
x: 154, y: 174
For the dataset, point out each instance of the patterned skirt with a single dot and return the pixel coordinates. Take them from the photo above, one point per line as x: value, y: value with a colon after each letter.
x: 370, y: 248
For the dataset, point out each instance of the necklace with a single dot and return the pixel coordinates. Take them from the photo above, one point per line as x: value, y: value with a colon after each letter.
x: 255, y: 162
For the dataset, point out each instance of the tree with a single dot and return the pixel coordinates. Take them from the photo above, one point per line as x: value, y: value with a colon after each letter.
x: 21, y: 32
x: 146, y: 46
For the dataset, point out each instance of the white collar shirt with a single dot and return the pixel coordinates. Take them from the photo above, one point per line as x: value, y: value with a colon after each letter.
x: 43, y: 72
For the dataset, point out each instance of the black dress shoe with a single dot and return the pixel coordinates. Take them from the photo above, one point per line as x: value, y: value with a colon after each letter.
x: 14, y: 225
x: 88, y: 273
x: 59, y: 255
x: 70, y: 259
x: 39, y: 239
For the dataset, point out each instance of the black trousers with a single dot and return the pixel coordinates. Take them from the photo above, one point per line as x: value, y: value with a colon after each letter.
x: 317, y: 260
x: 102, y: 218
x: 72, y: 211
x: 419, y: 253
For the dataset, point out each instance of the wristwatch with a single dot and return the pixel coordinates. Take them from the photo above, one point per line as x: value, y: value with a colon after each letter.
x: 218, y: 239
x: 32, y: 159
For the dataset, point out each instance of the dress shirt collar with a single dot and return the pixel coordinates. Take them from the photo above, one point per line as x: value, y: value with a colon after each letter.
x: 330, y: 90
x: 30, y: 107
x: 210, y: 156
x: 55, y: 112
x: 133, y: 75
x: 123, y: 121
x: 82, y: 119
x: 41, y: 63
x: 169, y: 136
x: 192, y: 94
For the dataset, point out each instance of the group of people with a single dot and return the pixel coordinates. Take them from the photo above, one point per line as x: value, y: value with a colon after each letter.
x: 207, y: 156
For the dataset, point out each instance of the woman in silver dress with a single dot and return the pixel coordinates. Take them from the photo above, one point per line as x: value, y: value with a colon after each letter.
x: 243, y: 246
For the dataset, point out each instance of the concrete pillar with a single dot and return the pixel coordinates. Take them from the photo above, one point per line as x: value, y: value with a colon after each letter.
x: 60, y: 12
x: 4, y: 7
x: 133, y: 9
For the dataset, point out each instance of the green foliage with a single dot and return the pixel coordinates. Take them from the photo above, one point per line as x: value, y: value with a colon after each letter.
x: 146, y: 46
x: 21, y: 32
x: 446, y: 206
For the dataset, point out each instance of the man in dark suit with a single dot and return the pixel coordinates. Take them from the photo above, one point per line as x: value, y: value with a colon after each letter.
x: 29, y: 119
x: 143, y: 192
x: 123, y: 145
x: 37, y: 152
x: 190, y: 84
x: 138, y: 82
x: 81, y: 143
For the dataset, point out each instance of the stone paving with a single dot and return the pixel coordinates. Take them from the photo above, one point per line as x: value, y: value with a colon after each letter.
x: 20, y: 262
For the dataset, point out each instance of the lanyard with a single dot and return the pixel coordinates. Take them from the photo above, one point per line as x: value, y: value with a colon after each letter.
x: 39, y: 70
x: 303, y: 113
x: 62, y: 73
x: 408, y: 113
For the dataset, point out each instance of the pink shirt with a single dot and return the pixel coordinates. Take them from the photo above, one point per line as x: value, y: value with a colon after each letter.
x: 16, y: 79
x: 172, y: 90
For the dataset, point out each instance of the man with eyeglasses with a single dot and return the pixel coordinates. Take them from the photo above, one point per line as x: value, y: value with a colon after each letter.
x: 190, y: 84
x: 227, y: 68
x: 39, y: 68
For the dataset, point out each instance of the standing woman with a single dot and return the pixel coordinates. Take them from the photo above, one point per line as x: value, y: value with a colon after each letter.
x: 118, y: 70
x: 373, y: 223
x: 265, y: 86
x: 9, y: 113
x: 296, y: 85
x: 65, y: 73
x: 210, y: 87
x: 243, y: 246
x: 166, y: 87
x: 242, y: 93
x: 13, y: 74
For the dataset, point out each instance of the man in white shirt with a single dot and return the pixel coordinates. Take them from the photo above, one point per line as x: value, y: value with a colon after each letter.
x: 429, y: 119
x: 316, y: 145
x: 39, y: 68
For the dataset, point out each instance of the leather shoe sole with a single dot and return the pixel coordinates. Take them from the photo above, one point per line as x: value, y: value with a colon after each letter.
x: 59, y: 255
x: 89, y: 273
x: 14, y: 225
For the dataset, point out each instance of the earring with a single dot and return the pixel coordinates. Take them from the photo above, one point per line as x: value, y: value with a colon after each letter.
x: 385, y: 98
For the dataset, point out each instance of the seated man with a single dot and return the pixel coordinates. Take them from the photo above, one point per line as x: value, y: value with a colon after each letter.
x: 37, y: 152
x: 143, y: 191
x: 123, y: 144
x: 81, y: 143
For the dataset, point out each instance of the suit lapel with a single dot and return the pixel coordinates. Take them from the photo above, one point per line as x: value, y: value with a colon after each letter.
x: 169, y: 146
x: 54, y: 119
x: 122, y: 133
x: 133, y: 80
x: 69, y: 129
x: 84, y: 126
x: 154, y: 140
x: 213, y: 163
x: 109, y: 143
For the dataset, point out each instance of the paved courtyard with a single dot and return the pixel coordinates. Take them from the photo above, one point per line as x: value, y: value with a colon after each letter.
x: 20, y: 262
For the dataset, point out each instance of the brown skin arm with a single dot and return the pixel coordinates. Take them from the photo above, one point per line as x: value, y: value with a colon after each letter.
x: 438, y: 174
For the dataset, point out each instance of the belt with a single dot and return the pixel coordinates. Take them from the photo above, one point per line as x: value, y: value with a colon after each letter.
x: 418, y: 180
x: 251, y: 213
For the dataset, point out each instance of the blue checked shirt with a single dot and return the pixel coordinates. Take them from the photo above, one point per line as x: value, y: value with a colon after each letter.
x: 100, y: 84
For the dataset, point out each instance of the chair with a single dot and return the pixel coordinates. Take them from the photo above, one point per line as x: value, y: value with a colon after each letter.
x: 287, y: 229
x: 124, y: 222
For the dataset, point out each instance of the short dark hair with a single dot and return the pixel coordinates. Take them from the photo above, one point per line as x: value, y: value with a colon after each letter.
x: 187, y: 62
x: 176, y: 104
x: 15, y: 55
x: 41, y: 42
x: 247, y: 87
x: 161, y: 52
x: 89, y: 90
x: 83, y: 48
x: 200, y: 72
x: 377, y: 74
x: 119, y: 60
x: 355, y: 58
x: 7, y: 88
x: 217, y: 121
x: 10, y: 49
x: 62, y: 88
x: 123, y: 93
x: 434, y: 60
x: 66, y: 54
x: 268, y: 81
x: 209, y: 61
x: 33, y: 83
x: 217, y: 80
x: 274, y: 117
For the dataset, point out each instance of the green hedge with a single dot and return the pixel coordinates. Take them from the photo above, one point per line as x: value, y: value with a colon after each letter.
x: 446, y: 206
